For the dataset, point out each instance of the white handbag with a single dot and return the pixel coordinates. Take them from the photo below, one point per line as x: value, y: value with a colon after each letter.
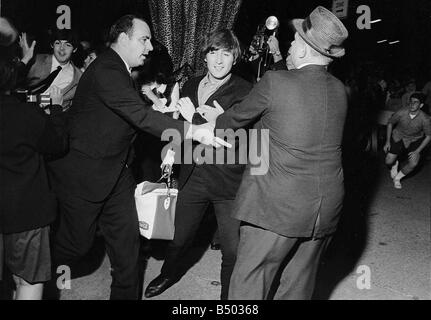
x: 155, y: 203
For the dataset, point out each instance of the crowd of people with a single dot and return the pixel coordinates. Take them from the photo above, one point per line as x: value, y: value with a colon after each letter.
x: 81, y: 126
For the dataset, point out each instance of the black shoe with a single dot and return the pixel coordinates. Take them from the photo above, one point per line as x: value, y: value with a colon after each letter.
x: 215, y: 246
x: 158, y: 286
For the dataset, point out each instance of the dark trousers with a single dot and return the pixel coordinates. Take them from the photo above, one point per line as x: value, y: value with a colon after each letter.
x: 193, y: 201
x: 260, y: 255
x: 118, y: 223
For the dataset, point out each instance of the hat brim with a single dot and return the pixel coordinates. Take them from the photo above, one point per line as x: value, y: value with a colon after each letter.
x: 335, y: 53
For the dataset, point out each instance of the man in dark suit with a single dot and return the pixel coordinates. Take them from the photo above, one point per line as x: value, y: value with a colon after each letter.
x: 202, y: 185
x: 64, y: 44
x: 293, y: 209
x: 93, y: 181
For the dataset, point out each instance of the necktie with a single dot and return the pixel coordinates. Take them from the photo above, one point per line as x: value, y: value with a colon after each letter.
x: 45, y: 83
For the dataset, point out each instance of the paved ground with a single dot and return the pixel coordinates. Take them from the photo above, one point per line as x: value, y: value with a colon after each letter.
x: 384, y: 231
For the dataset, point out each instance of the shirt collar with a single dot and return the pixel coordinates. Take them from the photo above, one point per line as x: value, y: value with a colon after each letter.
x: 306, y: 64
x: 56, y: 64
x: 127, y: 65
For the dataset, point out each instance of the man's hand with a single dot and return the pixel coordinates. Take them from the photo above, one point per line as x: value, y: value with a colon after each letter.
x: 27, y: 52
x: 204, y: 133
x: 386, y: 147
x: 414, y: 156
x: 273, y: 44
x: 209, y: 113
x: 186, y: 107
x: 56, y: 95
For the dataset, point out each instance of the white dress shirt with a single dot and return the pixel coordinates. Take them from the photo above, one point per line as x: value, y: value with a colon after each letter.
x: 64, y: 77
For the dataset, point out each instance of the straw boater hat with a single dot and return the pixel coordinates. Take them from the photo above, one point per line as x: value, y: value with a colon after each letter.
x: 323, y: 31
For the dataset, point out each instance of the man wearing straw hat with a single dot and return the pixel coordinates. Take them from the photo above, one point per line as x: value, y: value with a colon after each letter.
x: 290, y: 213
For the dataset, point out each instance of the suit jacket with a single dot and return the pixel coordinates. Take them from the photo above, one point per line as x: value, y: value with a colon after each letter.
x: 27, y: 134
x: 301, y: 194
x: 226, y: 175
x: 42, y: 68
x: 107, y: 112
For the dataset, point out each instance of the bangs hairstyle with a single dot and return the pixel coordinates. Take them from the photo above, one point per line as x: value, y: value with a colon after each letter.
x: 222, y: 39
x: 418, y: 95
x: 65, y: 35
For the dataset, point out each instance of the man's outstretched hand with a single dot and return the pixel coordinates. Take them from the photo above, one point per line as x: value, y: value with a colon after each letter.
x: 204, y: 133
x: 186, y: 107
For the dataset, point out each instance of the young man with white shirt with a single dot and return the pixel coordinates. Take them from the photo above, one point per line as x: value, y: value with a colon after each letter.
x: 64, y: 44
x: 411, y: 134
x: 203, y: 184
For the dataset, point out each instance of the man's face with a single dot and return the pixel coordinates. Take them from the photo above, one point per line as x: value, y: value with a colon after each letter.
x: 415, y: 104
x: 219, y: 63
x: 62, y: 51
x: 294, y: 51
x: 411, y: 87
x: 89, y: 59
x: 138, y: 44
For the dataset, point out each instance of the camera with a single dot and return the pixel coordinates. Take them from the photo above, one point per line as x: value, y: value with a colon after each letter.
x: 259, y: 43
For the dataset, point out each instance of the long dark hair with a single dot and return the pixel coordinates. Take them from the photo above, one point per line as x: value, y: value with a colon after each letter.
x: 158, y: 67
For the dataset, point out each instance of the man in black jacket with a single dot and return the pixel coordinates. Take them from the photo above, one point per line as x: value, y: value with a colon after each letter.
x: 93, y: 182
x: 202, y: 185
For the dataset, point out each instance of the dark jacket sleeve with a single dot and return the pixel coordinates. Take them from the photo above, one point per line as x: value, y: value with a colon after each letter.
x: 124, y: 100
x: 22, y: 71
x: 248, y: 110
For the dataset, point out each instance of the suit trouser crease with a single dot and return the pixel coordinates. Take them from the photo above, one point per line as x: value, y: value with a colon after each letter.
x: 260, y: 255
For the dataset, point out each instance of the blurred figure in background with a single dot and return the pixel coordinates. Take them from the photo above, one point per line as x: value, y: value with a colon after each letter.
x: 410, y: 87
x: 8, y: 33
x: 408, y: 131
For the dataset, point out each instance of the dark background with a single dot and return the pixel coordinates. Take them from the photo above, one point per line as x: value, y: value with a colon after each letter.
x: 407, y: 20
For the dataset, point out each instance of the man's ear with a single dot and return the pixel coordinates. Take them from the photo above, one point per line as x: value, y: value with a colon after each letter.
x: 303, y: 49
x: 122, y: 37
x: 74, y: 50
x: 421, y: 105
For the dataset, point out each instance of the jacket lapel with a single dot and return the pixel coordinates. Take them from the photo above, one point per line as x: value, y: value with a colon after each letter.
x: 220, y: 91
